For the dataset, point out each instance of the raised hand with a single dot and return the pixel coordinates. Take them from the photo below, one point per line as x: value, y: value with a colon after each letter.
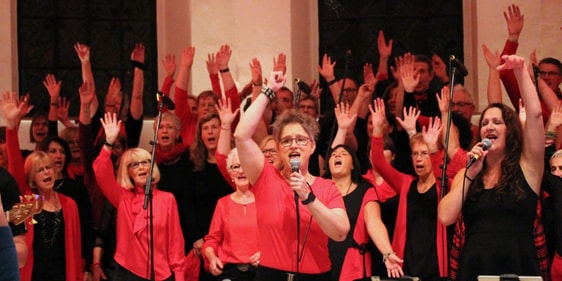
x: 62, y: 109
x: 410, y: 118
x: 327, y: 68
x: 169, y: 63
x: 385, y: 50
x: 83, y: 52
x: 512, y: 62
x: 555, y: 119
x: 378, y: 114
x: 276, y: 80
x: 431, y: 133
x: 368, y: 75
x: 11, y: 108
x: 409, y: 77
x: 111, y: 127
x: 224, y: 110
x: 86, y: 94
x: 443, y: 100
x: 514, y: 20
x: 255, y: 68
x: 280, y: 64
x: 316, y: 90
x: 212, y: 66
x: 187, y: 56
x: 492, y: 59
x: 52, y: 86
x: 113, y: 91
x: 366, y: 91
x: 138, y: 53
x: 25, y: 106
x: 223, y: 56
x: 342, y: 116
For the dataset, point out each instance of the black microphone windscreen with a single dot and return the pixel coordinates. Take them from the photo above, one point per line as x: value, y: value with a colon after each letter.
x: 303, y: 86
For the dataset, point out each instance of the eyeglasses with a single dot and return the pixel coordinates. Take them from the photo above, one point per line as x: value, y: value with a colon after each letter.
x: 136, y: 165
x: 549, y: 73
x: 300, y: 140
x: 350, y: 90
x: 235, y: 167
x: 269, y: 151
x: 44, y: 168
x: 461, y: 104
x: 423, y: 154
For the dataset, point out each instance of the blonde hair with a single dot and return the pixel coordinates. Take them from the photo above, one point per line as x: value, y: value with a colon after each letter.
x: 129, y: 156
x: 68, y: 133
x: 233, y: 153
x: 265, y: 140
x: 33, y: 163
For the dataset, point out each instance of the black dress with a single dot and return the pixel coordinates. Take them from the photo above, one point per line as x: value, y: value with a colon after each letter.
x: 499, y: 234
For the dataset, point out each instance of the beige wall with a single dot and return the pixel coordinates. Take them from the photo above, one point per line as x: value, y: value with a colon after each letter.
x: 262, y: 29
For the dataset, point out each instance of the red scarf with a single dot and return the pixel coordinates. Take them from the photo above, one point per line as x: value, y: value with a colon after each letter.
x: 172, y: 155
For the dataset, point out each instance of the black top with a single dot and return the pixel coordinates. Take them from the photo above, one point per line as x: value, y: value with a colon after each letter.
x: 78, y: 192
x: 173, y: 180
x: 338, y: 250
x: 10, y: 196
x: 420, y: 253
x: 48, y: 247
x: 203, y: 190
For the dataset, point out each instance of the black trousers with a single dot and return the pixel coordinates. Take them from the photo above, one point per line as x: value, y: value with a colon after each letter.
x: 238, y: 272
x: 271, y: 274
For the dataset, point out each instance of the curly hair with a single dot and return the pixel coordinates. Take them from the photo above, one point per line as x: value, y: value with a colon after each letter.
x: 199, y: 152
x: 508, y: 182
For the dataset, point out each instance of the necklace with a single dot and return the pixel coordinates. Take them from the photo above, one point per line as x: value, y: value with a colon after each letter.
x: 348, y: 188
x: 51, y: 223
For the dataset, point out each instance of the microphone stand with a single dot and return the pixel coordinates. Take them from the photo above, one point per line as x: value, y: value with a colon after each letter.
x: 148, y: 190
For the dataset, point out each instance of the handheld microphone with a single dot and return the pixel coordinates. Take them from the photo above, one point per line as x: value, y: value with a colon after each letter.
x: 486, y: 144
x: 461, y: 69
x: 303, y: 86
x: 295, y: 164
x: 168, y: 103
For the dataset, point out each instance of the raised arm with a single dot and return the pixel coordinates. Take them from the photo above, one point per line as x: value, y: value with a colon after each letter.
x: 83, y: 53
x: 385, y: 50
x: 249, y: 152
x: 444, y: 102
x: 494, y: 90
x: 409, y: 122
x: 169, y: 64
x: 345, y: 122
x: 224, y: 145
x: 326, y: 70
x: 223, y: 57
x: 136, y: 108
x: 53, y: 88
x: 531, y: 161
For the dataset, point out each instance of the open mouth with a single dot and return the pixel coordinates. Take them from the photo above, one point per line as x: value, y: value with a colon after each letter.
x: 337, y: 163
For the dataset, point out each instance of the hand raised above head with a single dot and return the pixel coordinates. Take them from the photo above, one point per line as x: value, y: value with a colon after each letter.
x: 276, y: 80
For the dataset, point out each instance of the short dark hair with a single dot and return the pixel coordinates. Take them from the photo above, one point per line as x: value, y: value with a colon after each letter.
x: 426, y: 60
x: 551, y: 60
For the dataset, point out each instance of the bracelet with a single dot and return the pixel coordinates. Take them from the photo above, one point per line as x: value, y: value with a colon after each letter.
x: 550, y: 135
x: 309, y: 199
x: 268, y: 92
x: 330, y: 83
x: 385, y: 256
x: 139, y: 65
x: 55, y: 104
x: 411, y: 132
x: 468, y: 178
x: 111, y: 145
x: 224, y: 70
x: 94, y: 265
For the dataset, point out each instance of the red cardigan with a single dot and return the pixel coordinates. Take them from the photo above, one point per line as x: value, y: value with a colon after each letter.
x: 72, y: 245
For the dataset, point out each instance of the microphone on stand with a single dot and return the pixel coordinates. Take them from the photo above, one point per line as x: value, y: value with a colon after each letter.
x: 165, y: 100
x: 486, y: 144
x: 303, y: 86
x: 461, y: 69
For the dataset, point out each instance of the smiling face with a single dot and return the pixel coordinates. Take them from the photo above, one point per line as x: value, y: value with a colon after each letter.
x: 236, y: 172
x: 57, y: 153
x: 210, y: 131
x: 493, y: 127
x: 340, y: 163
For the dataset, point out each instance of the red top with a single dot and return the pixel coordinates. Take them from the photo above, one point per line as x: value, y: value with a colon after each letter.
x: 275, y: 203
x: 233, y: 233
x: 401, y: 184
x: 132, y: 226
x: 352, y: 267
x: 72, y: 242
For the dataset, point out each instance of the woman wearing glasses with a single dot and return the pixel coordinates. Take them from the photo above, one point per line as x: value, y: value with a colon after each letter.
x: 418, y: 238
x: 290, y: 245
x: 126, y: 193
